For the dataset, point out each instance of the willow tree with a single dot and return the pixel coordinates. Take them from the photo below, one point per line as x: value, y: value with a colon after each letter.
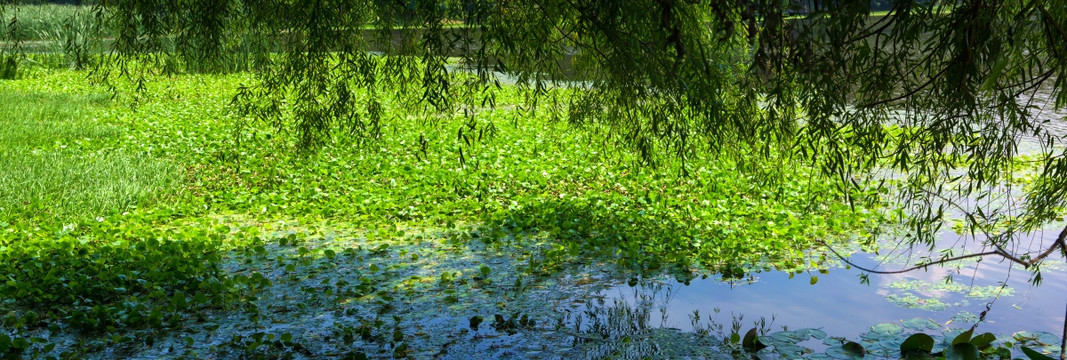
x: 937, y: 94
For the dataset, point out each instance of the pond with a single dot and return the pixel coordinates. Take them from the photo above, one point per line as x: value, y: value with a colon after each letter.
x: 841, y: 305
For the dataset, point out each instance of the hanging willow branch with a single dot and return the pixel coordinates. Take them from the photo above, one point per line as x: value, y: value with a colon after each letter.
x: 937, y: 92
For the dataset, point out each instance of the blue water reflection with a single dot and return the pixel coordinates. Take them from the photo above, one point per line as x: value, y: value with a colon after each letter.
x: 841, y: 305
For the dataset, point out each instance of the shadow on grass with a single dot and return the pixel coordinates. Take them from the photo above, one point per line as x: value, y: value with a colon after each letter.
x: 639, y: 240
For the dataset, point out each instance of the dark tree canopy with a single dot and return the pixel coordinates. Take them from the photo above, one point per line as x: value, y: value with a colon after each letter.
x: 939, y: 92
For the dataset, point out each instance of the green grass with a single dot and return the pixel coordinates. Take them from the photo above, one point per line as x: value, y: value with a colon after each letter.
x: 57, y: 168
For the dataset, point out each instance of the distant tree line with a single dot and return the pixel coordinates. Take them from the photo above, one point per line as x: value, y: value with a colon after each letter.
x: 57, y: 2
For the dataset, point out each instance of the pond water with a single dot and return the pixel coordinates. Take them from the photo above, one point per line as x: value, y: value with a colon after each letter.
x: 840, y: 304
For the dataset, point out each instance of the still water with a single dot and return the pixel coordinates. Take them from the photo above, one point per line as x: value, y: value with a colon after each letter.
x: 840, y: 304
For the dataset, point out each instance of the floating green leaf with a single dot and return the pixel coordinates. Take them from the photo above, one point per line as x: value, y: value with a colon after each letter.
x: 964, y: 337
x: 1034, y: 355
x: 751, y: 341
x: 886, y: 329
x: 962, y: 351
x: 475, y: 321
x: 983, y: 341
x: 854, y: 348
x: 917, y: 345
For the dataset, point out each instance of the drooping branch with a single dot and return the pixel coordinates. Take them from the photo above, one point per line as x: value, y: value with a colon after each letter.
x: 1060, y: 244
x: 908, y: 269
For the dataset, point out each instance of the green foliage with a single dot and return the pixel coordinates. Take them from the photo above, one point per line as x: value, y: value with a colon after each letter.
x: 917, y: 346
x: 557, y: 194
x: 1034, y: 355
x: 890, y: 340
x: 73, y: 32
x: 102, y: 268
x: 8, y: 67
x: 587, y: 200
x: 130, y: 277
x: 921, y: 89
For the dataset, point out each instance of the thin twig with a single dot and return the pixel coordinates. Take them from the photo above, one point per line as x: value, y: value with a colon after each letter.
x: 1061, y: 243
x: 1061, y: 240
x: 910, y: 92
x: 913, y: 268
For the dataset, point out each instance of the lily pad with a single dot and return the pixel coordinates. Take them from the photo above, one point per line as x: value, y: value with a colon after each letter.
x: 918, y: 343
x: 982, y: 341
x: 919, y: 324
x: 886, y: 329
x: 849, y: 350
x: 886, y: 347
x: 820, y: 357
x: 1034, y: 355
x: 812, y: 333
x: 788, y: 337
x: 1043, y: 338
x: 790, y: 351
x: 963, y: 337
x: 962, y: 351
x: 965, y: 317
x: 911, y: 301
x: 751, y: 342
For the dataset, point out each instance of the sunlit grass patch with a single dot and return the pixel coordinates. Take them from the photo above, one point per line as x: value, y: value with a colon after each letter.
x: 36, y: 120
x: 56, y: 164
x: 61, y: 184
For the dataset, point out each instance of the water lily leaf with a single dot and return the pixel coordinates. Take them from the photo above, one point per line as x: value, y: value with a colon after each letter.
x: 805, y: 334
x: 1041, y: 337
x: 919, y: 324
x: 886, y: 346
x: 982, y: 341
x: 849, y: 350
x: 854, y: 348
x: 475, y: 321
x: 962, y: 351
x: 948, y: 336
x: 777, y: 340
x: 750, y: 342
x: 963, y: 337
x: 887, y: 329
x: 918, y: 343
x: 1034, y: 355
x: 790, y: 351
x: 965, y: 317
x: 786, y: 337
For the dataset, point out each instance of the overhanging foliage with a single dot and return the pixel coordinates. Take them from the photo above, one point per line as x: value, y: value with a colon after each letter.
x: 938, y: 92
